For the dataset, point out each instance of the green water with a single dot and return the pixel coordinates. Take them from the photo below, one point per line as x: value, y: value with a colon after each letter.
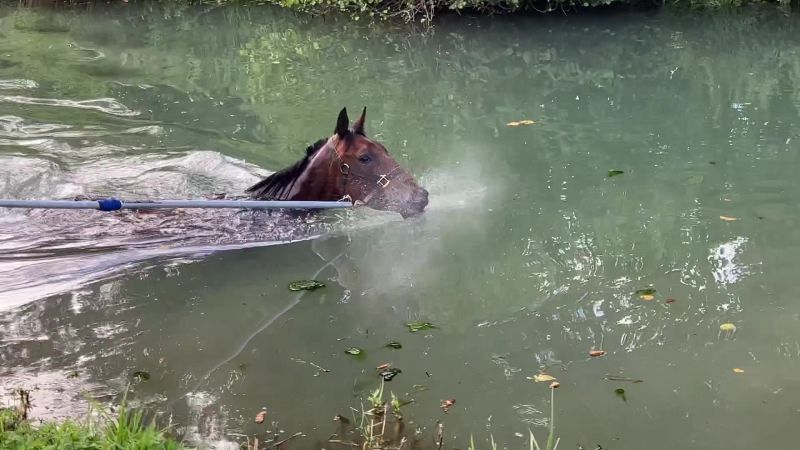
x: 528, y: 256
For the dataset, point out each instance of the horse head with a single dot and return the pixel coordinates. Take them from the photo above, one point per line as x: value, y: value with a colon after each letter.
x: 349, y: 165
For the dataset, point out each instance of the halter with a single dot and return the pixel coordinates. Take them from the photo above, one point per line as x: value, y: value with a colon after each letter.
x: 381, y: 181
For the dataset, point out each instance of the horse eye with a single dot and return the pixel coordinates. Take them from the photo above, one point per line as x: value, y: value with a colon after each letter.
x: 364, y: 159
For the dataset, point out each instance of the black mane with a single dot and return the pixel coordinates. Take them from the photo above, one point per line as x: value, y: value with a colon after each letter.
x: 279, y: 184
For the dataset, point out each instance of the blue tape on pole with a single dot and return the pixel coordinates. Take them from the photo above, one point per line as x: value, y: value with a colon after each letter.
x: 109, y: 204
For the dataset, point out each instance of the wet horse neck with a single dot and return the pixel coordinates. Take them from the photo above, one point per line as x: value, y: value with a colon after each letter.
x: 321, y: 181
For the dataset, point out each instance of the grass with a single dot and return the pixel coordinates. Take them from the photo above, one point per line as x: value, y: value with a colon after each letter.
x: 126, y: 430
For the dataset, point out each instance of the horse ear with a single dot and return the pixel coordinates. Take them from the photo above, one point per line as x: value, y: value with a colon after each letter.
x: 342, y: 123
x: 358, y: 127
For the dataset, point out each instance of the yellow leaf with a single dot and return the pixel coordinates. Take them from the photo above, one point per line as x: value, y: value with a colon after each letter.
x: 727, y: 327
x: 520, y: 122
x: 261, y: 416
x: 738, y: 370
x: 647, y: 297
x: 542, y: 377
x: 728, y: 218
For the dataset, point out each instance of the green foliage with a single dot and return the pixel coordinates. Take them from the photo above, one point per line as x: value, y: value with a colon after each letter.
x: 126, y: 431
x: 424, y: 10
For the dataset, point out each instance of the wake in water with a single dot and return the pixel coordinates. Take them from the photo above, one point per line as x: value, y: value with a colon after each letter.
x: 45, y: 252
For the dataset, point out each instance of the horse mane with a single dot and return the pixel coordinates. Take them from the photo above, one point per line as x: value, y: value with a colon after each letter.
x: 279, y: 184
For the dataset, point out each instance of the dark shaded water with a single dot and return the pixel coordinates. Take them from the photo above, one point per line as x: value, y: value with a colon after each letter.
x: 529, y: 256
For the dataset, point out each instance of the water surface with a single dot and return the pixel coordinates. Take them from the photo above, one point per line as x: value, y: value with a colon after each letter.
x: 528, y: 257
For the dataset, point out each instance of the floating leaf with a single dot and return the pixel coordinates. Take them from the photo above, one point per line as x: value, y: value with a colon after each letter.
x: 383, y: 366
x: 738, y: 370
x: 447, y: 404
x: 542, y: 377
x: 727, y: 327
x: 670, y: 300
x: 613, y: 173
x: 388, y: 374
x: 141, y: 375
x: 596, y: 353
x: 261, y: 416
x: 305, y: 285
x: 520, y: 122
x: 646, y: 294
x: 621, y: 394
x: 695, y: 179
x: 555, y: 385
x: 395, y: 345
x: 728, y: 218
x: 74, y: 374
x: 354, y: 351
x: 419, y: 387
x: 420, y: 326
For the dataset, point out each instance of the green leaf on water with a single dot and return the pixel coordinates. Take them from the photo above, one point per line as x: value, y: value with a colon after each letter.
x: 646, y: 294
x: 621, y: 394
x: 395, y: 345
x: 305, y: 285
x: 420, y: 326
x: 613, y: 173
x: 355, y: 351
x: 141, y: 375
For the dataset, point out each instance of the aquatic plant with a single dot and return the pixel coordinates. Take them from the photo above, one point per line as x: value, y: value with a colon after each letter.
x: 103, y: 431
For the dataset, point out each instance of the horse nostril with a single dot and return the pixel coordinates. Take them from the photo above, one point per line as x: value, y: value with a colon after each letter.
x: 422, y: 198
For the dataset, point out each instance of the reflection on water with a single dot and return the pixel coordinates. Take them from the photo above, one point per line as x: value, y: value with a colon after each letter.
x: 528, y: 257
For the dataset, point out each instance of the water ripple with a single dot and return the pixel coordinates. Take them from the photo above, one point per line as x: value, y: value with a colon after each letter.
x: 105, y: 105
x: 18, y: 84
x: 14, y: 127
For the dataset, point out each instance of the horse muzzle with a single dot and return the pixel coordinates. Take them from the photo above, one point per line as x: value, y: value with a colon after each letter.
x: 417, y: 204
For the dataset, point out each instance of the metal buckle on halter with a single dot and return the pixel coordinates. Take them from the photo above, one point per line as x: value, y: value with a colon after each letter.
x: 383, y: 181
x: 345, y: 169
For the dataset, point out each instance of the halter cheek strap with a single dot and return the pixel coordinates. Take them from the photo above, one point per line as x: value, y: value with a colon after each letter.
x: 381, y: 181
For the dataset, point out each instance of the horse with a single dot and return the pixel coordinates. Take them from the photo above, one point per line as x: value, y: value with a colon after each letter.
x: 347, y: 165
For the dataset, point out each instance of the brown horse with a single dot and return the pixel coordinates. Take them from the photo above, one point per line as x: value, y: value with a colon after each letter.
x: 347, y: 165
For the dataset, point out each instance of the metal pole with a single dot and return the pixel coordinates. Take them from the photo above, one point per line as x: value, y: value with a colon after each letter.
x: 112, y: 204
